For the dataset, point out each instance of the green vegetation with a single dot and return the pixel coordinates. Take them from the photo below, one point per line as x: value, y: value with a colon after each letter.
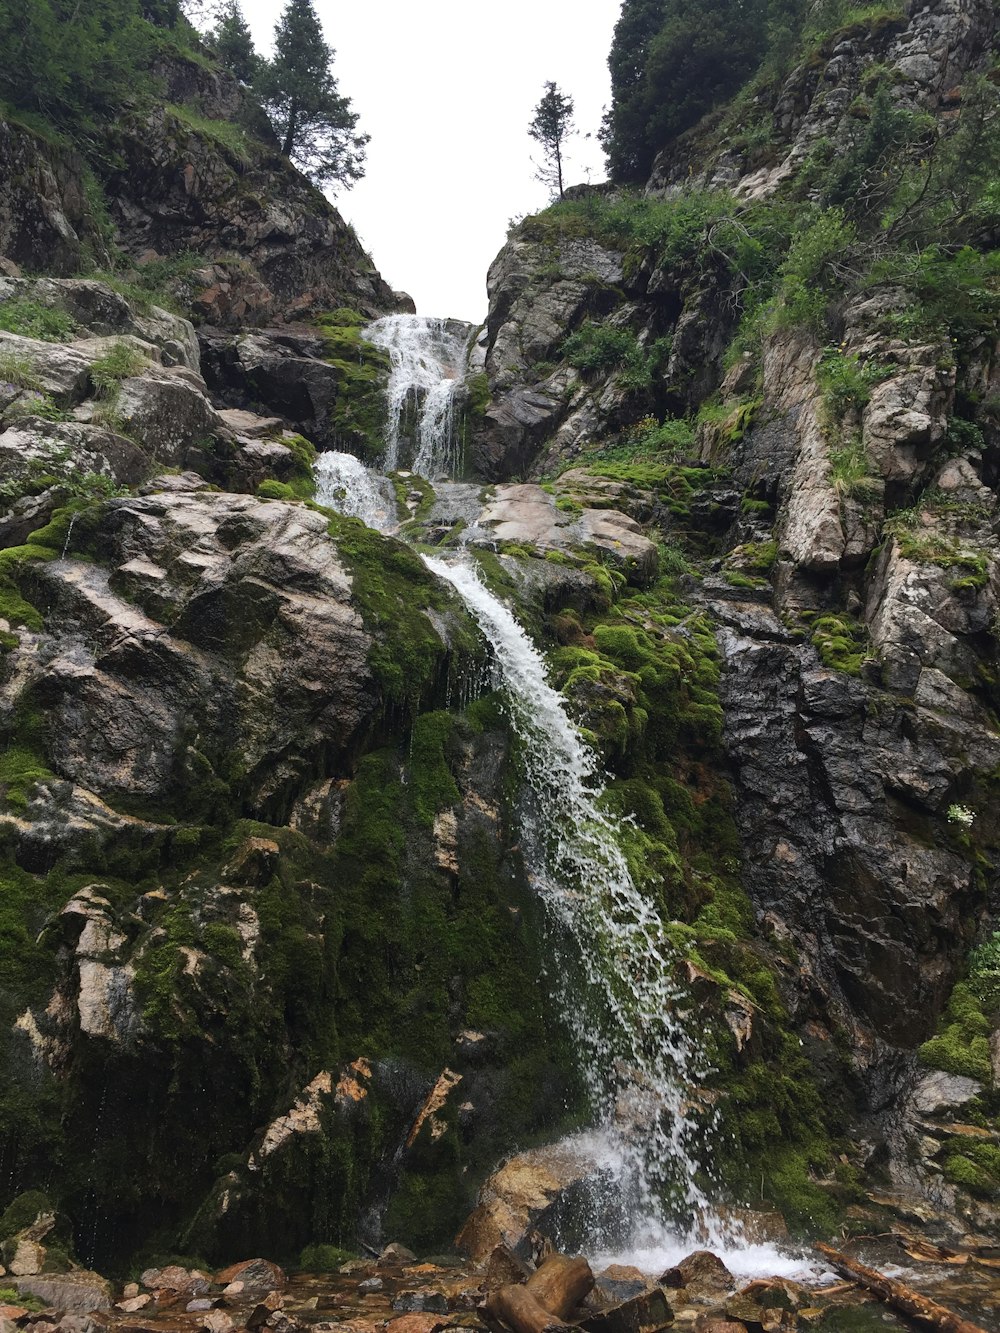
x: 223, y: 133
x: 358, y: 414
x: 31, y: 319
x: 313, y: 121
x: 18, y: 370
x: 120, y: 362
x: 72, y: 67
x: 962, y: 1043
x: 603, y: 347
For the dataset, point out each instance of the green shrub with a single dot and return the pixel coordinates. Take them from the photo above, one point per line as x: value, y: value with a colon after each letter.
x: 120, y: 362
x: 18, y: 370
x: 31, y: 319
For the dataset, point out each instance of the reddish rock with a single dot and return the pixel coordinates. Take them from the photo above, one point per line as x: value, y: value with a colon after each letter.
x: 416, y: 1323
x: 257, y: 1275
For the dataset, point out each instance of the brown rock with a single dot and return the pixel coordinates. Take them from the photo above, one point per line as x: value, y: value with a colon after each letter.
x: 642, y: 1314
x: 257, y: 1275
x: 701, y: 1273
x: 713, y: 1323
x: 504, y: 1266
x: 394, y: 1253
x: 416, y: 1323
x: 253, y: 863
x: 133, y: 1304
x: 217, y: 1321
x: 620, y: 1282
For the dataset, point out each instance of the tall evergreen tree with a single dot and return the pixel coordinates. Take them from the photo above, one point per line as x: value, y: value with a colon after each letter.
x: 623, y: 131
x: 551, y: 127
x: 315, y: 123
x: 233, y: 43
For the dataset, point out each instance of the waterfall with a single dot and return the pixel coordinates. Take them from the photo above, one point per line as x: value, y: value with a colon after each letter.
x: 611, y: 965
x: 344, y: 483
x: 427, y: 364
x: 612, y: 973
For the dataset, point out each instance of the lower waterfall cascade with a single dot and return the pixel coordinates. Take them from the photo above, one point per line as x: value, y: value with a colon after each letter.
x: 611, y: 970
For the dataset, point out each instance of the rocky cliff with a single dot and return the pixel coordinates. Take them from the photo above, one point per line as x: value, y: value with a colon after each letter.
x: 827, y: 477
x: 272, y: 957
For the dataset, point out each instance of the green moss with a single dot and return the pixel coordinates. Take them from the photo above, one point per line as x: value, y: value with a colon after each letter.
x: 962, y: 1170
x: 358, y: 416
x: 277, y: 490
x: 841, y: 641
x: 22, y: 1212
x: 962, y: 1042
x: 432, y: 787
x: 393, y: 589
x: 322, y: 1258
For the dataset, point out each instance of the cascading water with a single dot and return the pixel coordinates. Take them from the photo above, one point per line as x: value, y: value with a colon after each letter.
x: 427, y: 364
x: 611, y: 968
x: 344, y: 483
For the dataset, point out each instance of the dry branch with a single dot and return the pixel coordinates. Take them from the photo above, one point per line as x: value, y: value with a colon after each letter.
x: 900, y: 1297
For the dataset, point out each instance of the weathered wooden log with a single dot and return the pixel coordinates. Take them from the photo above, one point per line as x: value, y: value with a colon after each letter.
x: 519, y: 1310
x: 900, y: 1297
x: 560, y: 1283
x: 549, y: 1296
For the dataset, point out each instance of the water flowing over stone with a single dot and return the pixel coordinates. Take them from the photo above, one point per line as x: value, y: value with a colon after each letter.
x: 611, y: 968
x: 427, y: 358
x: 344, y: 483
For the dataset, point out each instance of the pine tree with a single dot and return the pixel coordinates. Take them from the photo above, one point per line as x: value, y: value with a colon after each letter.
x: 623, y: 131
x: 233, y: 43
x: 551, y: 127
x: 315, y: 123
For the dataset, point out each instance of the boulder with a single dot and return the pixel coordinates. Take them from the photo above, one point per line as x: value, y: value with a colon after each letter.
x: 527, y: 1193
x: 645, y: 1313
x: 257, y: 1275
x: 79, y: 1292
x: 701, y: 1273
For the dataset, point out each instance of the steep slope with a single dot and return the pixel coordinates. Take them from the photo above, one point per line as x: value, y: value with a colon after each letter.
x: 786, y: 351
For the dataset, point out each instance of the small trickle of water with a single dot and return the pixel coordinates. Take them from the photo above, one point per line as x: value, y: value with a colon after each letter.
x: 344, y: 483
x: 427, y: 364
x: 611, y: 967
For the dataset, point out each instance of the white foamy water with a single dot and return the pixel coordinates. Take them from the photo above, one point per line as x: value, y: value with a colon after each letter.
x: 427, y: 364
x: 344, y: 483
x: 610, y: 965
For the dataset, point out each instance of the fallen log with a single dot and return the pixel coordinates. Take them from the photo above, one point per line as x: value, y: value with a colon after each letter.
x: 560, y: 1283
x: 545, y: 1301
x: 900, y: 1297
x: 516, y: 1308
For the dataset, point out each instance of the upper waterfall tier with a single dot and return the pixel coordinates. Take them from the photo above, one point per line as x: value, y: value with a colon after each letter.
x: 428, y: 359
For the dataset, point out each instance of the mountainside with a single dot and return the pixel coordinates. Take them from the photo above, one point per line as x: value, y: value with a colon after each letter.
x: 277, y: 963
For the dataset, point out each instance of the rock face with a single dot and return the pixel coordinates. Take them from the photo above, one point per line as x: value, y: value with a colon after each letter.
x: 272, y: 962
x: 271, y: 243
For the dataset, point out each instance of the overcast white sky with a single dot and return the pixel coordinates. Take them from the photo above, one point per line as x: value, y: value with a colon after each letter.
x: 446, y: 89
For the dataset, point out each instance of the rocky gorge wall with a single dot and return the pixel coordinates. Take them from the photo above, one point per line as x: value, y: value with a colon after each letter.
x: 273, y: 955
x: 833, y: 502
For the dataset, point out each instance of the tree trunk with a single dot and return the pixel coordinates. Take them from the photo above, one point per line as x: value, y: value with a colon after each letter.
x: 518, y: 1309
x: 549, y: 1296
x: 902, y: 1298
x: 560, y: 1284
